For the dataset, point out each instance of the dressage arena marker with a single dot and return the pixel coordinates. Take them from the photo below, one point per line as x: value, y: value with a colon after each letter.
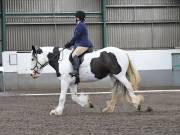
x: 99, y: 93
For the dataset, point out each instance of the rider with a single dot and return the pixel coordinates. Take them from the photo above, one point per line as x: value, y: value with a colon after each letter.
x: 80, y: 41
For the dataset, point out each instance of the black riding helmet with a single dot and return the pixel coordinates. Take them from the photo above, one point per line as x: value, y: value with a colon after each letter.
x: 81, y: 15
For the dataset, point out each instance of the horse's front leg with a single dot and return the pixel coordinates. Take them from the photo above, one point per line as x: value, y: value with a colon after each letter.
x: 82, y: 100
x: 62, y: 98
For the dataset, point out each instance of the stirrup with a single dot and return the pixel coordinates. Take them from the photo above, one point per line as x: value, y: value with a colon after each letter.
x: 77, y: 77
x: 74, y: 73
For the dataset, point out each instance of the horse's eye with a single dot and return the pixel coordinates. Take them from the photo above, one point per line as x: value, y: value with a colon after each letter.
x: 32, y: 59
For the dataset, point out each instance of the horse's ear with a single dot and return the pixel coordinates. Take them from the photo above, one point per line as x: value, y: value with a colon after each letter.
x: 33, y: 49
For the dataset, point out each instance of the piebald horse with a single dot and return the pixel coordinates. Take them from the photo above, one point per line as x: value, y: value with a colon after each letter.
x: 107, y: 62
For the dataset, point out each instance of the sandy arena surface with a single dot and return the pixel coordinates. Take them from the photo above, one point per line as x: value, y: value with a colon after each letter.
x: 21, y: 115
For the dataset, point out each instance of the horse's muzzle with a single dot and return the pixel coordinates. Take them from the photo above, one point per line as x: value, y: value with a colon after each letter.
x: 35, y: 75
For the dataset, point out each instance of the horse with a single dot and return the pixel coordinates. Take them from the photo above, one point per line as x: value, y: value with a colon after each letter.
x: 110, y: 62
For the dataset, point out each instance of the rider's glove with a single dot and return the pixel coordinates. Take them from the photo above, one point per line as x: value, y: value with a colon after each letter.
x: 68, y: 45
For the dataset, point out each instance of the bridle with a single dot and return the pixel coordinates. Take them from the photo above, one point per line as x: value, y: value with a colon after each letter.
x: 36, y: 69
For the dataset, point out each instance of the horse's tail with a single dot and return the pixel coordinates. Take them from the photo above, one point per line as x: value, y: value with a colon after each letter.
x: 133, y: 75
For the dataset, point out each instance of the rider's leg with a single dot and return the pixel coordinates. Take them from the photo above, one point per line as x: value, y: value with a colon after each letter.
x: 75, y: 66
x: 77, y: 52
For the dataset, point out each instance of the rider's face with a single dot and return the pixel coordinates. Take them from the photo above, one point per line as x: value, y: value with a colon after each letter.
x: 77, y: 19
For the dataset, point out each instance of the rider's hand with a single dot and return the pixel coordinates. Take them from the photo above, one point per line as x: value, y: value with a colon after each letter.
x: 68, y: 45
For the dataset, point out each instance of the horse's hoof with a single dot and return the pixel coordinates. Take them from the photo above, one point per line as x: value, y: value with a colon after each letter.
x: 105, y: 110
x: 52, y: 112
x: 55, y: 112
x: 149, y: 109
x: 108, y: 109
x: 91, y: 105
x: 139, y: 108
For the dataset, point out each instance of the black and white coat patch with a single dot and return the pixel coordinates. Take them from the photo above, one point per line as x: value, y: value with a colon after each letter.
x: 104, y: 65
x: 53, y: 59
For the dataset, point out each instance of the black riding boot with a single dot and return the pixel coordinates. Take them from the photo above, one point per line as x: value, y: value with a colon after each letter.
x: 75, y: 66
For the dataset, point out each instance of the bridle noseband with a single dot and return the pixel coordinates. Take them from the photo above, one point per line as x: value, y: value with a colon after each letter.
x: 35, y: 68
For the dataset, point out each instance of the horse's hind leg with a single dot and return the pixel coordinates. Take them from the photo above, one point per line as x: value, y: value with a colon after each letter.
x: 111, y: 104
x: 135, y: 100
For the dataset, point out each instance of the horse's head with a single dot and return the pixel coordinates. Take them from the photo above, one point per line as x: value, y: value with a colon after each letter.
x: 38, y: 61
